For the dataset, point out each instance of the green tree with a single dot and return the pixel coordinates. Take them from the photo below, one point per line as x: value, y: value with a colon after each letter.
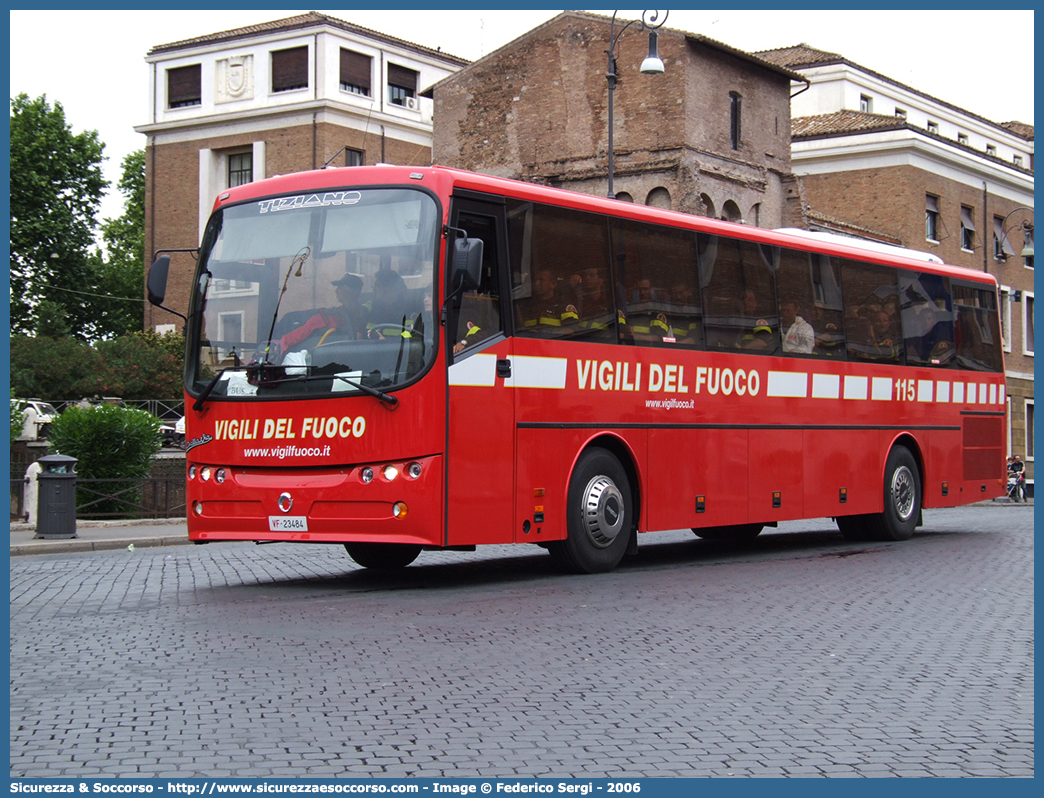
x: 119, y: 276
x: 56, y: 189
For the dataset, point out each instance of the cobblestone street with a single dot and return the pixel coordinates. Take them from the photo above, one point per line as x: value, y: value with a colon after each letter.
x: 798, y: 654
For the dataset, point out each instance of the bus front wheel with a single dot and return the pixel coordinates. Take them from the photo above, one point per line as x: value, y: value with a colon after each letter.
x: 382, y: 556
x: 599, y: 516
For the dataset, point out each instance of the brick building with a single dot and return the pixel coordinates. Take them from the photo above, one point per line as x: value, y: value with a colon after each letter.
x: 711, y: 135
x: 885, y: 161
x: 285, y: 96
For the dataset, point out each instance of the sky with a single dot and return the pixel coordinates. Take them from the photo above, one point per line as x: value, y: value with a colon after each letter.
x: 944, y: 53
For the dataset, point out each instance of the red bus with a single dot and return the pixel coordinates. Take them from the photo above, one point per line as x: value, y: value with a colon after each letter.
x: 402, y: 358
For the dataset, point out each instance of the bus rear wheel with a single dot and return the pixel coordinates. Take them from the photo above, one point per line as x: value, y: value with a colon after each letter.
x: 902, y: 498
x: 902, y: 503
x: 737, y: 532
x: 382, y: 556
x: 599, y: 516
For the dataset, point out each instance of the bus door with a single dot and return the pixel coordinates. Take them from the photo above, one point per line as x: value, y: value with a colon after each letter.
x: 480, y: 449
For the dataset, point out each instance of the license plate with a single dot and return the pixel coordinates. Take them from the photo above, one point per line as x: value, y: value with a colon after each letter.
x: 287, y: 523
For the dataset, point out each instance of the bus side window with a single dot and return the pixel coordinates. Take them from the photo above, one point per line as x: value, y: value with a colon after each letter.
x: 656, y: 267
x: 738, y: 285
x: 565, y: 257
x: 927, y: 319
x: 872, y: 329
x: 810, y: 309
x: 478, y: 316
x: 978, y: 341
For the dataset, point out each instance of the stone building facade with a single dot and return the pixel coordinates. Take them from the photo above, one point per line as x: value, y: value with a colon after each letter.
x: 285, y: 96
x: 710, y: 136
x: 881, y: 160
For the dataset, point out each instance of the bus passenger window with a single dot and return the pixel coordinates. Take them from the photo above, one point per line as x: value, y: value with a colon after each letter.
x: 810, y: 309
x: 565, y: 256
x: 978, y: 341
x: 927, y: 319
x: 656, y: 266
x: 738, y: 285
x: 871, y: 312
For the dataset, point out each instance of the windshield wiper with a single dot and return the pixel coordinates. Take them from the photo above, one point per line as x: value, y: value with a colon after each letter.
x: 202, y: 398
x: 376, y: 393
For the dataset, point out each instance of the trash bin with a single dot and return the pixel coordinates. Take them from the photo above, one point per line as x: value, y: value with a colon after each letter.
x: 56, y: 518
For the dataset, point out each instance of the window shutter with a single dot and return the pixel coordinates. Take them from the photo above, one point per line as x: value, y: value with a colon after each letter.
x: 401, y: 76
x: 355, y: 70
x: 183, y: 86
x: 290, y: 69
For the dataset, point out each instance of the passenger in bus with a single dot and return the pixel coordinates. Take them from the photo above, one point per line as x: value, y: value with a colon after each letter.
x: 757, y: 336
x: 684, y: 314
x: 799, y: 336
x: 546, y: 310
x: 646, y: 314
x: 596, y: 304
x: 882, y: 342
x: 349, y: 319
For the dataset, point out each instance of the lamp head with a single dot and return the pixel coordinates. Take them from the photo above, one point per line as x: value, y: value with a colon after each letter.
x: 652, y: 65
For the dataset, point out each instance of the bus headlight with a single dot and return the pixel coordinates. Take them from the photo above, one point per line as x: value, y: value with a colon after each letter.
x: 366, y: 475
x: 192, y: 471
x: 204, y: 473
x: 413, y: 470
x: 390, y: 472
x: 219, y: 476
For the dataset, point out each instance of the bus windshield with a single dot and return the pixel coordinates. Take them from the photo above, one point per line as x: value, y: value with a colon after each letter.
x: 315, y: 294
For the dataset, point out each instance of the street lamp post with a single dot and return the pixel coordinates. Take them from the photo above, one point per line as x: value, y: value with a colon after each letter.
x: 652, y: 65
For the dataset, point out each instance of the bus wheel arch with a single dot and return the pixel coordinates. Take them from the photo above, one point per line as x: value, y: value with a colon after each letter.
x: 601, y: 509
x: 902, y: 486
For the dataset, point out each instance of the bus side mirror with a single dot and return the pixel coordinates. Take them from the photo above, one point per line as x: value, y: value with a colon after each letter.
x: 157, y: 283
x: 467, y: 263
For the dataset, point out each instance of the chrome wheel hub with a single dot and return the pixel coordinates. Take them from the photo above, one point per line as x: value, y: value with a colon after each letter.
x: 903, y: 493
x: 603, y: 511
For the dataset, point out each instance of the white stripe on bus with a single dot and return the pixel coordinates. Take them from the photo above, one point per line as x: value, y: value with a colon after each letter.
x: 787, y: 383
x: 537, y: 372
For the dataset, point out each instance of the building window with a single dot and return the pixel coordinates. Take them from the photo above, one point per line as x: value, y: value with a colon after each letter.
x: 1005, y: 317
x: 900, y: 113
x: 240, y: 169
x: 1001, y: 246
x: 967, y: 229
x: 290, y: 69
x: 1027, y: 323
x: 991, y: 149
x: 1030, y: 443
x: 353, y: 157
x: 183, y: 87
x: 355, y: 72
x: 962, y: 138
x: 866, y: 103
x: 933, y: 127
x: 931, y: 217
x: 735, y: 119
x: 402, y: 85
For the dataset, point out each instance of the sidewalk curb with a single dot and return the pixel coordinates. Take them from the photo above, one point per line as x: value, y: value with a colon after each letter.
x: 72, y: 545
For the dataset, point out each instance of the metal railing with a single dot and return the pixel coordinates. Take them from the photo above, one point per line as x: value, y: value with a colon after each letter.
x: 166, y: 409
x: 151, y: 498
